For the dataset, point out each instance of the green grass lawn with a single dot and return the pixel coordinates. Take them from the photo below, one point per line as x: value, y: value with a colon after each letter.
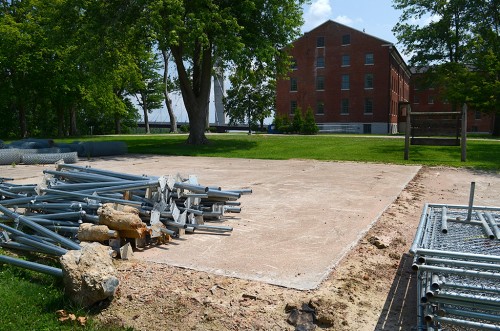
x: 29, y: 301
x: 481, y: 153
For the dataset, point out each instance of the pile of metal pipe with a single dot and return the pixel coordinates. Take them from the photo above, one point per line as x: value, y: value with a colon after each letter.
x: 457, y: 259
x: 47, y: 217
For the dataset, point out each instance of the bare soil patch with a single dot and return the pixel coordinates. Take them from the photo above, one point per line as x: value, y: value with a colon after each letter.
x: 372, y: 288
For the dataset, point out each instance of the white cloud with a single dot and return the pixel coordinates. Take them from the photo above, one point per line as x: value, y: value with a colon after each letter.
x: 344, y: 20
x: 320, y: 8
x: 318, y: 12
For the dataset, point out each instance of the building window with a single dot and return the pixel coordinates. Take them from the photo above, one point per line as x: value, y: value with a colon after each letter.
x: 368, y: 106
x: 344, y: 107
x: 320, y: 83
x: 320, y: 62
x: 477, y: 115
x: 320, y: 42
x: 346, y: 60
x: 293, y: 106
x: 346, y: 39
x: 430, y: 100
x: 369, y: 58
x: 416, y: 98
x: 293, y: 84
x: 320, y: 108
x: 345, y: 82
x: 369, y: 81
x: 293, y: 64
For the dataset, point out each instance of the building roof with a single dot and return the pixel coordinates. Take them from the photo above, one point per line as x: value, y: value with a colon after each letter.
x: 329, y: 22
x: 392, y: 47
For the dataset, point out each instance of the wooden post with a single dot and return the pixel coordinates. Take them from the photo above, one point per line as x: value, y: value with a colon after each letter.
x: 407, y: 131
x: 464, y: 133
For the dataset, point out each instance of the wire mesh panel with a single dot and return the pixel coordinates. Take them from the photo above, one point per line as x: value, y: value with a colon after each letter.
x: 71, y: 157
x: 457, y: 255
x: 9, y: 156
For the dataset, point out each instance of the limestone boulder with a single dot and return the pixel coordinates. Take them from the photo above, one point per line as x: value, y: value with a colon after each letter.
x: 89, y: 274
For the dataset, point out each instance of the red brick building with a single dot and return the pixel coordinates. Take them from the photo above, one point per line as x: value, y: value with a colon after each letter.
x: 428, y: 99
x: 352, y: 81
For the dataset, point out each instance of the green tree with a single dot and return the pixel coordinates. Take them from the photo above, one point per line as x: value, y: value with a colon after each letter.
x: 61, y: 61
x: 309, y: 126
x: 281, y: 123
x: 251, y: 96
x: 460, y: 45
x: 234, y: 32
x: 297, y: 121
x: 149, y: 90
x: 168, y: 85
x: 21, y: 60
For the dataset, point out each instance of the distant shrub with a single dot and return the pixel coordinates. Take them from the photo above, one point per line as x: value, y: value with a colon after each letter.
x: 280, y: 123
x: 309, y: 126
x: 297, y: 121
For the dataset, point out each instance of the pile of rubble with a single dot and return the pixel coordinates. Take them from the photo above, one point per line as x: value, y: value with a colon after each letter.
x: 86, y: 216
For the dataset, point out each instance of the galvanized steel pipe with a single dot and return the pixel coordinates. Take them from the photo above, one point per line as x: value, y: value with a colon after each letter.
x: 107, y: 173
x: 43, y: 246
x: 485, y: 226
x: 459, y: 312
x: 493, y: 224
x: 444, y: 220
x: 458, y: 255
x: 32, y: 266
x: 420, y: 230
x: 461, y: 263
x: 462, y: 272
x: 469, y: 324
x: 40, y: 229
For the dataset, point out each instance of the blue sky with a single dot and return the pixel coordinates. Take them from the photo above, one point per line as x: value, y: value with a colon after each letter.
x: 376, y: 17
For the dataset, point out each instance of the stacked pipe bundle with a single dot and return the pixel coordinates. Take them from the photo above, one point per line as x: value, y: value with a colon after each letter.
x: 45, y: 151
x: 76, y: 204
x: 457, y: 258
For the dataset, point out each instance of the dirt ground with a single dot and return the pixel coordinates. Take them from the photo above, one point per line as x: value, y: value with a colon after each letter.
x: 371, y: 288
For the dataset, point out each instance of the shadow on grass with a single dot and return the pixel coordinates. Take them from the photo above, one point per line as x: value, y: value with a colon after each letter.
x: 400, y: 308
x: 177, y: 146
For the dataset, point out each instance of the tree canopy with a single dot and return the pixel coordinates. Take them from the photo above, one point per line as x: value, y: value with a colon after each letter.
x: 244, y: 34
x: 459, y: 42
x: 251, y: 97
x: 68, y: 66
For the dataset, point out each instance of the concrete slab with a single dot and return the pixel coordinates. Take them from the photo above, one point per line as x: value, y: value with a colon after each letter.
x: 301, y: 219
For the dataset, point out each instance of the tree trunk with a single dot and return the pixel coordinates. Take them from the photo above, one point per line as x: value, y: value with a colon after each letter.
x: 146, y: 122
x: 197, y: 126
x: 22, y: 121
x: 73, y: 129
x: 118, y: 124
x: 168, y: 101
x: 195, y: 91
x: 145, y: 110
x: 496, y: 126
x: 61, y: 128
